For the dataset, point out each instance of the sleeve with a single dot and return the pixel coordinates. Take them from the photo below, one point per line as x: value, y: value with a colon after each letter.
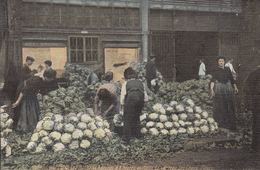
x: 32, y: 84
x: 213, y: 79
x: 145, y: 95
x: 230, y: 76
x: 123, y: 93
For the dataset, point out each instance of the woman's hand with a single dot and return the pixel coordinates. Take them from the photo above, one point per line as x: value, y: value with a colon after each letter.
x: 15, y: 105
x: 236, y: 90
x: 212, y: 93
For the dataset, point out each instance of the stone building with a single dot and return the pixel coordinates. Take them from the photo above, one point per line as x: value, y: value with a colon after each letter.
x: 102, y: 33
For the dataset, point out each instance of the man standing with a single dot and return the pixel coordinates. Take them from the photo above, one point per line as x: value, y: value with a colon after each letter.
x: 48, y: 65
x: 230, y: 66
x: 202, y: 69
x: 150, y: 71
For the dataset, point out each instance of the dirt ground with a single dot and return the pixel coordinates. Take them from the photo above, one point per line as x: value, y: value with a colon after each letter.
x: 216, y: 159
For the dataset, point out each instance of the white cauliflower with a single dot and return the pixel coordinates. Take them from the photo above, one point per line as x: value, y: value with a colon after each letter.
x: 47, y: 141
x: 164, y: 132
x: 31, y: 146
x: 153, y: 116
x: 189, y: 109
x: 99, y: 133
x: 82, y: 125
x: 69, y: 128
x: 58, y: 147
x: 74, y: 144
x: 211, y: 120
x: 154, y: 132
x: 173, y: 132
x: 85, y: 144
x: 190, y: 131
x: 55, y: 136
x: 182, y: 123
x: 163, y: 118
x: 159, y: 125
x: 58, y: 127
x: 183, y: 116
x: 197, y: 109
x: 168, y: 125
x: 35, y: 137
x: 48, y: 125
x: 66, y: 138
x: 86, y: 118
x: 92, y: 126
x: 150, y: 124
x: 197, y: 116
x: 182, y: 130
x: 174, y: 117
x: 204, y: 129
x: 9, y: 123
x: 143, y: 117
x: 176, y: 125
x: 88, y: 133
x: 173, y: 103
x: 180, y: 108
x: 144, y: 130
x: 58, y: 118
x: 77, y: 134
x: 204, y: 115
x: 43, y: 133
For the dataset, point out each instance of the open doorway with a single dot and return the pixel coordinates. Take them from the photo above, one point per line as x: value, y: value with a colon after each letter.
x: 190, y: 47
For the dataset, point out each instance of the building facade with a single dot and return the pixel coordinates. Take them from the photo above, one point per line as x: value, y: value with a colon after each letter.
x: 102, y: 33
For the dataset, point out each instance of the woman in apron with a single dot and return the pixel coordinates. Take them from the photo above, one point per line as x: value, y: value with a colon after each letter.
x: 222, y: 88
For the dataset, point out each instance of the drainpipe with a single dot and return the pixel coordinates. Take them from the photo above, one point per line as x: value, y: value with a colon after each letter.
x: 144, y: 11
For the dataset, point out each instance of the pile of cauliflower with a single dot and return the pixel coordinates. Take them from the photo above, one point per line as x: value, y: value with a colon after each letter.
x: 178, y: 118
x: 57, y: 132
x: 5, y: 127
x: 62, y: 101
x: 174, y: 119
x: 197, y: 90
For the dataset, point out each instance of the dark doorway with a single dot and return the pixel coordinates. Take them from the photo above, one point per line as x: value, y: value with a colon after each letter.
x: 190, y: 47
x: 162, y: 45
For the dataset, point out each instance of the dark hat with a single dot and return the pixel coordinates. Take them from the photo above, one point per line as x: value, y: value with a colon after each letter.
x: 30, y: 58
x: 48, y: 62
x: 152, y: 55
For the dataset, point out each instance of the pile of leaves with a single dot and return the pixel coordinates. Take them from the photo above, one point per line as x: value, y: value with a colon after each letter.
x: 63, y: 101
x: 102, y: 151
x: 197, y: 90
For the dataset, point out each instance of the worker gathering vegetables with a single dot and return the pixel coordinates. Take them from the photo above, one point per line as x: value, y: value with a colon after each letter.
x: 93, y: 109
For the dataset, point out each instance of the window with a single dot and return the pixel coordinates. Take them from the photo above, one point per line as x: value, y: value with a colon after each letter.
x: 83, y: 49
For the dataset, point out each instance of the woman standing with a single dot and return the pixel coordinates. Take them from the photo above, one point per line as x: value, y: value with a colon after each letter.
x: 222, y: 87
x: 26, y: 106
x: 133, y: 96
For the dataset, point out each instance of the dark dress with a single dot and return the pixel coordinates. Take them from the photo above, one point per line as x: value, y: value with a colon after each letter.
x: 253, y: 83
x: 150, y: 73
x: 223, y: 107
x: 28, y: 110
x: 134, y: 103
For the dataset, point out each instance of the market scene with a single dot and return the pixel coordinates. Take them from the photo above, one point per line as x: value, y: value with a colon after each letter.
x: 129, y: 84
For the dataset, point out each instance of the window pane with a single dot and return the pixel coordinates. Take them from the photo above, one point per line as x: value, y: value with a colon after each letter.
x: 79, y: 43
x: 88, y: 43
x: 94, y: 55
x: 94, y: 43
x: 80, y: 56
x: 88, y: 55
x: 73, y: 56
x: 73, y: 43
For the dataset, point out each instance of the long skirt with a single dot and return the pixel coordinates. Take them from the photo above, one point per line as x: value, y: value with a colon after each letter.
x: 28, y: 113
x: 134, y: 103
x: 256, y: 124
x: 223, y: 108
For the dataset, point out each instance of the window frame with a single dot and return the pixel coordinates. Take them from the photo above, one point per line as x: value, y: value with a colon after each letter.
x: 84, y: 49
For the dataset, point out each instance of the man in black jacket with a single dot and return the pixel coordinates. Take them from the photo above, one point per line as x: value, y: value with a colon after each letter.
x: 150, y: 71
